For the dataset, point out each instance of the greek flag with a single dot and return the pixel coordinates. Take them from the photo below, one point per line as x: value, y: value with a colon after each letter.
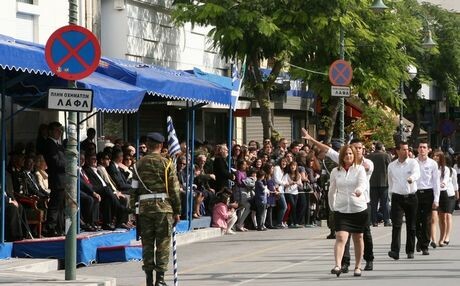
x: 237, y: 83
x: 173, y: 142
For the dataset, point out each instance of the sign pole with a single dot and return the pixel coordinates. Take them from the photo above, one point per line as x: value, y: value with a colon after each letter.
x: 71, y: 207
x: 341, y: 99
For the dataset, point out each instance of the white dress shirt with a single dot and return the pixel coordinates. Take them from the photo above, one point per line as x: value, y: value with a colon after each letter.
x: 343, y: 188
x: 334, y: 156
x: 399, y: 173
x: 429, y: 177
x: 452, y: 184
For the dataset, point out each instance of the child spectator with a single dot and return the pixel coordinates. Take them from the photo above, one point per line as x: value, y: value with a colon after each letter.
x: 223, y: 216
x: 261, y: 200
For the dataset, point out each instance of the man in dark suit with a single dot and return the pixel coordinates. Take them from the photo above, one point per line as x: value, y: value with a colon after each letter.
x: 220, y: 168
x: 89, y: 200
x: 117, y: 176
x: 113, y: 203
x: 379, y: 184
x: 55, y: 159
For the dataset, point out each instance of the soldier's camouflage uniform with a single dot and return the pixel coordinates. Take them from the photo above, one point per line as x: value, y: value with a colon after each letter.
x: 156, y: 215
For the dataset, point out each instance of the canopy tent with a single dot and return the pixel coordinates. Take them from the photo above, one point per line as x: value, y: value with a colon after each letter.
x: 166, y: 83
x: 27, y: 72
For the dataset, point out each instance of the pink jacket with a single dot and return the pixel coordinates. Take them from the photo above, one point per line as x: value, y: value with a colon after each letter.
x: 220, y: 215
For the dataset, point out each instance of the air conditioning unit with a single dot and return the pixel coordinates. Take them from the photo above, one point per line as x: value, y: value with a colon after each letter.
x: 119, y: 4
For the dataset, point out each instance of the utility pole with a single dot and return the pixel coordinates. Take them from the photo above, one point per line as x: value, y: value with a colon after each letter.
x: 71, y: 207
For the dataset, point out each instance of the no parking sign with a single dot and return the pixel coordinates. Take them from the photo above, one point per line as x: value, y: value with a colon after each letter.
x: 72, y: 52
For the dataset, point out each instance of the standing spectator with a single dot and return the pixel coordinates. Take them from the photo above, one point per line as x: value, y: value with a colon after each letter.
x: 55, y: 159
x: 260, y: 198
x: 220, y: 168
x: 278, y: 177
x: 347, y: 200
x: 40, y: 143
x: 242, y: 195
x: 427, y: 196
x: 85, y: 144
x: 403, y: 174
x: 457, y: 169
x: 291, y: 192
x: 379, y: 184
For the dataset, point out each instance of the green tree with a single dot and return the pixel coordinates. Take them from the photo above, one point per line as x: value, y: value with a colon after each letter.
x: 257, y: 30
x: 373, y: 45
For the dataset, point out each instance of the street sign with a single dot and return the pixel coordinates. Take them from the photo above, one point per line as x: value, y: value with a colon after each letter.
x: 340, y: 73
x: 70, y: 99
x: 72, y: 52
x: 340, y: 91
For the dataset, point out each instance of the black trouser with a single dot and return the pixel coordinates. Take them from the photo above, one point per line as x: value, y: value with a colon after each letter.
x: 403, y: 205
x: 301, y: 207
x: 87, y: 208
x: 55, y: 214
x: 423, y: 223
x: 379, y: 195
x: 368, y: 244
x: 13, y: 224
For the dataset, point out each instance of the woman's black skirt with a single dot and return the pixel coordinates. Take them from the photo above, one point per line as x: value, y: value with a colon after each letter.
x: 351, y: 222
x: 446, y: 204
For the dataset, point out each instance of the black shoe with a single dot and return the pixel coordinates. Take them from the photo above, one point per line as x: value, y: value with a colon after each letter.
x: 387, y: 224
x: 331, y: 236
x: 375, y: 224
x: 337, y: 271
x: 433, y: 244
x: 425, y: 252
x: 410, y: 256
x: 446, y: 242
x: 345, y: 268
x: 369, y: 265
x: 108, y: 226
x: 122, y: 225
x: 393, y: 255
x: 160, y: 279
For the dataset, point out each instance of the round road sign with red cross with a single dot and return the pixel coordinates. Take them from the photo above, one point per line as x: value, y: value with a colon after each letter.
x: 340, y: 73
x: 72, y: 52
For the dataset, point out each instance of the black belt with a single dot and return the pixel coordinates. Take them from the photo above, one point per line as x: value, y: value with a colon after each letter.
x: 404, y: 196
x: 422, y: 191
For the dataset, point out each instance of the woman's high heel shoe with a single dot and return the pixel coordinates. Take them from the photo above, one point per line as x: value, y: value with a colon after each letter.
x: 433, y: 244
x: 336, y: 270
x: 357, y: 272
x: 446, y: 242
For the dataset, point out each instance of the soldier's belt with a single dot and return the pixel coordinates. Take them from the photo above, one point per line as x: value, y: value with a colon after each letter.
x: 161, y: 196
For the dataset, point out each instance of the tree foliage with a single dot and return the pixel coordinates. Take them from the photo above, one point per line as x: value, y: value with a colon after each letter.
x: 380, y: 47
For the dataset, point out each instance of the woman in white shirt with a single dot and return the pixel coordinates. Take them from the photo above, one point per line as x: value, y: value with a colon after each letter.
x: 278, y: 174
x: 447, y: 197
x: 347, y: 200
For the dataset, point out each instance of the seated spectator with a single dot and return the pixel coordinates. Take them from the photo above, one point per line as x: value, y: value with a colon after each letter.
x: 118, y: 175
x: 223, y: 216
x: 40, y: 173
x: 89, y: 200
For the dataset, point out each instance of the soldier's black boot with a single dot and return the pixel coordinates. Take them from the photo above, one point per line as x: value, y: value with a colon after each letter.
x: 149, y: 278
x: 160, y: 280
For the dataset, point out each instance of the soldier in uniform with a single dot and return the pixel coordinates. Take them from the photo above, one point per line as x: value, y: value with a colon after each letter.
x: 159, y: 208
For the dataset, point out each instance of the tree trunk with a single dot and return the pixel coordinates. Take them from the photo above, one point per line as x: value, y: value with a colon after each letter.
x: 263, y: 98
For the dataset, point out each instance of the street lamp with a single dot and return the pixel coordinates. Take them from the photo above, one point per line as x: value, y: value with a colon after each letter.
x: 412, y: 71
x: 378, y: 6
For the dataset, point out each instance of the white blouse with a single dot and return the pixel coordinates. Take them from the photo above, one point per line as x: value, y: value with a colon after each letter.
x: 450, y: 181
x: 346, y: 190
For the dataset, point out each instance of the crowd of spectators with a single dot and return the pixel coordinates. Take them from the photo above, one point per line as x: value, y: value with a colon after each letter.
x: 268, y: 185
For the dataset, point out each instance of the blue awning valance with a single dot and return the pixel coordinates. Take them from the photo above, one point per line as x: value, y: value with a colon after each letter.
x: 165, y: 82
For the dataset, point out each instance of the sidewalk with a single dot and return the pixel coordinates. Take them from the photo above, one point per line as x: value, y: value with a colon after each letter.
x: 25, y: 271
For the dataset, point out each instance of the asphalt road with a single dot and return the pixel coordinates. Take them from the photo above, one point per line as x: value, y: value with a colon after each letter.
x: 293, y: 257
